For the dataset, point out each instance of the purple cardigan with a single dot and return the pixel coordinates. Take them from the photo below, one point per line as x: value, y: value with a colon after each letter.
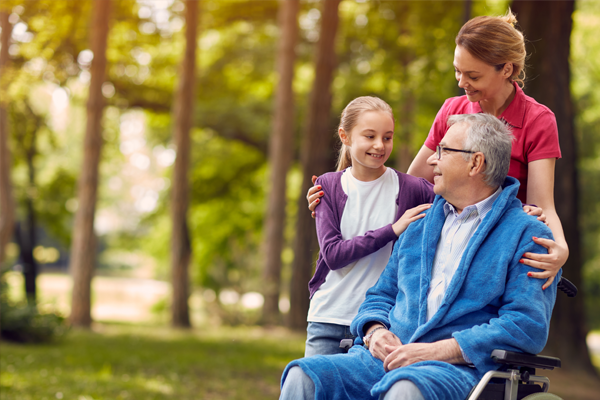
x: 336, y: 252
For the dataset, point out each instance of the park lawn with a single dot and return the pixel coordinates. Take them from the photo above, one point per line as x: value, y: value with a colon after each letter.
x: 132, y: 362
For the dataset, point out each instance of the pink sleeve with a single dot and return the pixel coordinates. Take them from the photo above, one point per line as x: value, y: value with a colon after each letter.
x: 542, y: 138
x: 439, y: 127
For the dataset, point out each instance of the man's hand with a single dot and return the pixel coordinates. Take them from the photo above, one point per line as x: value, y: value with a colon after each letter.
x: 380, y: 340
x: 400, y: 356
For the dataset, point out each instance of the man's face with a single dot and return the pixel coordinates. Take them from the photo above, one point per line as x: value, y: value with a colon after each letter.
x: 450, y: 173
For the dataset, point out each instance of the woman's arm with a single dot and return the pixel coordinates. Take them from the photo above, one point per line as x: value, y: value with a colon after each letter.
x: 419, y: 166
x: 540, y: 191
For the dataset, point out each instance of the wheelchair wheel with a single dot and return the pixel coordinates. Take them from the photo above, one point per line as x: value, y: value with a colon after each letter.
x: 542, y: 396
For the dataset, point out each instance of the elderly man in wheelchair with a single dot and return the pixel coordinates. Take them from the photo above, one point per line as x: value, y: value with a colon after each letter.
x: 454, y: 289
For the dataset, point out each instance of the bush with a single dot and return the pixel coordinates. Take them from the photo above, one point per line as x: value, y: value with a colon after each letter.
x: 22, y: 322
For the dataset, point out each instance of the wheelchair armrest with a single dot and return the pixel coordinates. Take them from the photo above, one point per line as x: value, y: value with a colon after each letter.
x: 525, y: 360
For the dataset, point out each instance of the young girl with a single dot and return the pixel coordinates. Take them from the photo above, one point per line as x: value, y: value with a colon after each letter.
x: 358, y: 221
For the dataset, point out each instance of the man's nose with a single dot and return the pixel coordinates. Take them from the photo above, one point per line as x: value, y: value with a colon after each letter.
x: 433, y: 159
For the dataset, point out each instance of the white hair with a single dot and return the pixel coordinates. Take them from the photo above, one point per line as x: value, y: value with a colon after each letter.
x: 492, y: 137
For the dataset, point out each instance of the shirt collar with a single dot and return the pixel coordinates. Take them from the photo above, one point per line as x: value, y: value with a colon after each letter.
x: 482, y: 208
x: 514, y: 114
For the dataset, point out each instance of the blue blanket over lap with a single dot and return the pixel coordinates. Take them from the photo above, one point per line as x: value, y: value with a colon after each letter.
x: 491, y: 303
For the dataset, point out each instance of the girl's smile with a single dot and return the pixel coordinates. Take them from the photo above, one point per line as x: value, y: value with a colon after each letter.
x: 370, y: 144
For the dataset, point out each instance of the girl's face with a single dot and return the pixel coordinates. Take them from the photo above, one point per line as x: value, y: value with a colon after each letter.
x: 370, y: 144
x: 480, y: 80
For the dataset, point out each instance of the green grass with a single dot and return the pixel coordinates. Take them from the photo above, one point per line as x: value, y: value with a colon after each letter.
x: 126, y: 362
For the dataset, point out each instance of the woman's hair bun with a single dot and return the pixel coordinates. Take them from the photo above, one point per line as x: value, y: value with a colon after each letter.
x: 495, y: 41
x: 509, y: 18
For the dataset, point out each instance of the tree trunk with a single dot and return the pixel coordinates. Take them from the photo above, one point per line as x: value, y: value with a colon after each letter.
x: 406, y: 124
x: 180, y: 238
x: 547, y: 26
x: 25, y: 239
x: 6, y: 201
x: 83, y: 251
x: 406, y: 114
x: 26, y: 134
x: 316, y: 158
x: 30, y: 267
x: 280, y: 157
x: 26, y: 128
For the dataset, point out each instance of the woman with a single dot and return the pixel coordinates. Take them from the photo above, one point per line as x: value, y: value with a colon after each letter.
x: 489, y: 62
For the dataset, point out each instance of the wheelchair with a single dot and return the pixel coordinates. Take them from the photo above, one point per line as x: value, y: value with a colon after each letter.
x: 516, y: 379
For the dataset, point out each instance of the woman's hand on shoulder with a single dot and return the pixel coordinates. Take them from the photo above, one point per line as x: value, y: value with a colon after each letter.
x: 536, y: 212
x: 313, y: 197
x: 408, y: 217
x: 549, y: 263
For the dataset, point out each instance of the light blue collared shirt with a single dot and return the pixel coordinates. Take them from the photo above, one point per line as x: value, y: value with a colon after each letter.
x: 456, y: 233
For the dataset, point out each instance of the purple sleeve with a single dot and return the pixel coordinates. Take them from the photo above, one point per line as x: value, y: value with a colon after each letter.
x: 335, y: 251
x: 427, y: 188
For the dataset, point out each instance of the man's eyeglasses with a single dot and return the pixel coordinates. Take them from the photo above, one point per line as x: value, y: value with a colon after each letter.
x: 439, y: 150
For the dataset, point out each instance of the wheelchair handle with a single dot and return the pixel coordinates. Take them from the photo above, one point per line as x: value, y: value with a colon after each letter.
x: 567, y: 286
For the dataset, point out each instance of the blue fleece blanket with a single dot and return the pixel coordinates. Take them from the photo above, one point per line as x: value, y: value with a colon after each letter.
x: 491, y: 303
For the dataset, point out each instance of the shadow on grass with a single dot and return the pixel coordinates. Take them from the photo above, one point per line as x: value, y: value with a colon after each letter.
x: 121, y: 362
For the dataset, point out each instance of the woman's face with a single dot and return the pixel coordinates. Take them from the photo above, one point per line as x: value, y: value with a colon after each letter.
x: 480, y: 80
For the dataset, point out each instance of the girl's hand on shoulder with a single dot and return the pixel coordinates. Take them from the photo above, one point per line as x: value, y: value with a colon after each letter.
x: 549, y: 263
x: 409, y: 216
x: 313, y: 197
x: 536, y: 212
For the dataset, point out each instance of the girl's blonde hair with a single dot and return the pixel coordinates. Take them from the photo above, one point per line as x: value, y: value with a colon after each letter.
x: 496, y: 41
x: 349, y: 119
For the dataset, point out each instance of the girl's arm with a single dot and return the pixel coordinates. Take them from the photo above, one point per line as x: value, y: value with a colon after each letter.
x: 540, y: 191
x: 335, y: 251
x: 419, y: 166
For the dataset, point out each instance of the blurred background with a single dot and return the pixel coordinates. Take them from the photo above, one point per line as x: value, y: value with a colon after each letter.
x: 154, y: 161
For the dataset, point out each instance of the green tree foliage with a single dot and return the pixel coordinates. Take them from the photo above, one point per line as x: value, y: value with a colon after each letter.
x: 227, y: 184
x: 399, y: 50
x: 585, y: 66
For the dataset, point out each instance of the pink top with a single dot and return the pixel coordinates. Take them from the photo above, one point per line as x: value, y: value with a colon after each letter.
x: 533, y: 126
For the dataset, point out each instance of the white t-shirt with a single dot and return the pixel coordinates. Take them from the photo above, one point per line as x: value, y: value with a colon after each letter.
x: 370, y: 206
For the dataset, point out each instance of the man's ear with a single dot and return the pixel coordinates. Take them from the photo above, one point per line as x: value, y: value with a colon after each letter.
x: 477, y: 164
x: 344, y: 136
